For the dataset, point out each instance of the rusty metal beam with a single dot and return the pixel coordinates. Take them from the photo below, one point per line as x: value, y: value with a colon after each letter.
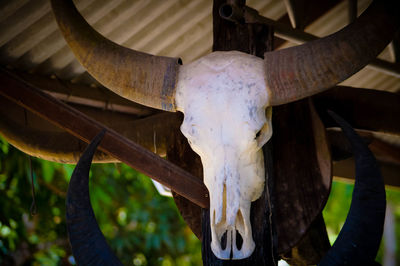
x: 296, y: 12
x: 311, y: 11
x: 93, y: 96
x: 113, y: 143
x: 286, y: 32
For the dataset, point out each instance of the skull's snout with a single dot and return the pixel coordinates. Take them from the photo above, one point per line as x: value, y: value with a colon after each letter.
x: 232, y: 246
x: 232, y: 189
x: 231, y: 228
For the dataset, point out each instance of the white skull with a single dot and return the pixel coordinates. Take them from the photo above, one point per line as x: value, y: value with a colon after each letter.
x: 224, y: 99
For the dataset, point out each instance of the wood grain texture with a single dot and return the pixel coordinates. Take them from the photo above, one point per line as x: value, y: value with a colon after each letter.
x: 180, y: 153
x: 301, y: 190
x: 364, y: 108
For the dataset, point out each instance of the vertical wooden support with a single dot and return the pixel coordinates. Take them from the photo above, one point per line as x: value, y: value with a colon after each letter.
x: 300, y: 185
x: 180, y: 153
x: 302, y: 166
x: 253, y: 39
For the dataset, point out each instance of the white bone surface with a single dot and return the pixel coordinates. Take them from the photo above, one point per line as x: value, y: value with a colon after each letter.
x: 224, y: 97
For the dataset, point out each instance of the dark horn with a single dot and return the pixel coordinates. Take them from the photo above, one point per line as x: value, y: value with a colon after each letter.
x: 305, y: 70
x: 89, y: 246
x: 137, y: 76
x: 358, y: 241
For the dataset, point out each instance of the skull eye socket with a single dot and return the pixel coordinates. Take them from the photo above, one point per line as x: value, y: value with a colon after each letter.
x: 263, y: 135
x: 258, y: 134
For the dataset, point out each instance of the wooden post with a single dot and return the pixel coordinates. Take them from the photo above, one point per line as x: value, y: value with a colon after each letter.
x: 298, y: 188
x: 252, y: 39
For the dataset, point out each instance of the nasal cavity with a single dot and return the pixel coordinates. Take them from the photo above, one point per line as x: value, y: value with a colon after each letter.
x: 240, y: 225
x: 223, y: 240
x: 239, y: 240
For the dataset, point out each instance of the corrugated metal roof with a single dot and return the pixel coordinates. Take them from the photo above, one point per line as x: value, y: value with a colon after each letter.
x: 30, y: 40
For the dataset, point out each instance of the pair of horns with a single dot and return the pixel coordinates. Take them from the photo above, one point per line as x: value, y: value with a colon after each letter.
x: 357, y: 244
x: 291, y: 74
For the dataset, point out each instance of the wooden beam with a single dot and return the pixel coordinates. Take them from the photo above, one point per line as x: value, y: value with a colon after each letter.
x: 345, y: 171
x: 364, y: 109
x: 38, y: 137
x: 383, y: 151
x: 387, y: 155
x: 252, y: 39
x: 113, y: 143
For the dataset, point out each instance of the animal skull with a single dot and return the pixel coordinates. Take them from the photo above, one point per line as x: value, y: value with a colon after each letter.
x: 224, y: 98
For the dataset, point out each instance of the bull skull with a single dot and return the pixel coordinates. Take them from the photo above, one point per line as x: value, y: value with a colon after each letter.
x: 224, y: 96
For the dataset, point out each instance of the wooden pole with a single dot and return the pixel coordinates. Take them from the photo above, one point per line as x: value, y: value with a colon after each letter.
x: 252, y: 39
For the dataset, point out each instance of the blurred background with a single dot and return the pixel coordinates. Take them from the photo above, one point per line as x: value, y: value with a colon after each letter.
x: 141, y: 226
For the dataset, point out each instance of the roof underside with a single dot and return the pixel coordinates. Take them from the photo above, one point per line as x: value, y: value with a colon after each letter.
x: 30, y: 40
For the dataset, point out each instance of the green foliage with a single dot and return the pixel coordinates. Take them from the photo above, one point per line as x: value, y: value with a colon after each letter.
x: 338, y: 205
x: 142, y: 227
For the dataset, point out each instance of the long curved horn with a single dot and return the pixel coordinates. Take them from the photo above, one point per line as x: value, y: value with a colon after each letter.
x: 359, y: 239
x: 89, y: 246
x: 313, y: 67
x: 137, y: 76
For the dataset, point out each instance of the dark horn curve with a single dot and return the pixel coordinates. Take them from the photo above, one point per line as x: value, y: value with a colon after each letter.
x: 298, y: 72
x: 358, y: 241
x: 89, y: 246
x: 140, y: 77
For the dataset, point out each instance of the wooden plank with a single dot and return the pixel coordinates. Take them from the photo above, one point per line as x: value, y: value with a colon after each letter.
x: 345, y: 171
x: 253, y: 39
x: 38, y: 137
x: 180, y: 153
x: 302, y: 182
x: 384, y: 151
x: 113, y: 143
x: 363, y: 108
